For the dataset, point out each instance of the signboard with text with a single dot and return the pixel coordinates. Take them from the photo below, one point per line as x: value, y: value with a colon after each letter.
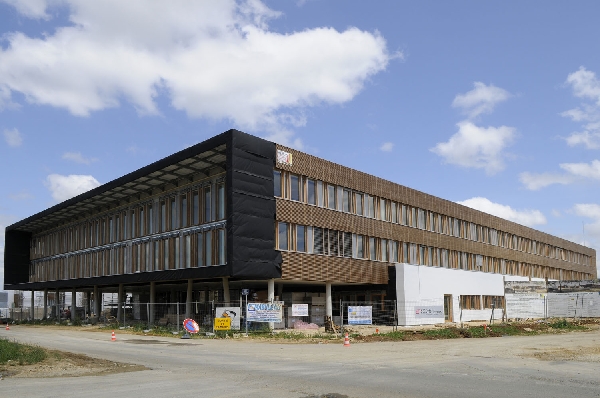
x: 436, y: 311
x: 360, y: 315
x: 299, y: 309
x: 265, y: 312
x: 222, y: 324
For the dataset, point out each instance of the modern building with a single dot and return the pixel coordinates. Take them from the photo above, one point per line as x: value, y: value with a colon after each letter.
x: 239, y: 212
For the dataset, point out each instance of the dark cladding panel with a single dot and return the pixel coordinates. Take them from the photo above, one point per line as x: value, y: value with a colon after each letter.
x: 16, y: 257
x: 251, y: 235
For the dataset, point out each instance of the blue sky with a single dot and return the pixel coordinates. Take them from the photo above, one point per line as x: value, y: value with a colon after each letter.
x: 495, y: 105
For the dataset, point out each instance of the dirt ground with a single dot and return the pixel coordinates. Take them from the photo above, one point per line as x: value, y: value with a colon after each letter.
x: 66, y: 364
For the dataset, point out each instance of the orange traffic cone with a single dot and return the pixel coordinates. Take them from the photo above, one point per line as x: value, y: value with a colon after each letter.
x: 346, y: 341
x: 113, y: 337
x: 7, y: 328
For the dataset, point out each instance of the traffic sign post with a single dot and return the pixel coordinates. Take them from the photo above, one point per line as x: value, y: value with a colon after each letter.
x: 245, y: 293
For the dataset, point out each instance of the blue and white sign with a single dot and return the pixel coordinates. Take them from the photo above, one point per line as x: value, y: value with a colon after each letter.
x: 265, y: 312
x: 299, y: 309
x: 360, y: 315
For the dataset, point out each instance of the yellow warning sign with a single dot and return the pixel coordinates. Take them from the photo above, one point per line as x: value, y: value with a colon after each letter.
x: 222, y: 323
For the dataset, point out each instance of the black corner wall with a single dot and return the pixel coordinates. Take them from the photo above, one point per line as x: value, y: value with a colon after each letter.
x: 16, y: 257
x: 251, y: 250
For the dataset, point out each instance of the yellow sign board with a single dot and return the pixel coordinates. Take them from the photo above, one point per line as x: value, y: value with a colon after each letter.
x: 222, y: 323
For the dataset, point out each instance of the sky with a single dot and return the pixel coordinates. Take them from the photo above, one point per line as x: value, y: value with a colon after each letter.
x: 495, y: 105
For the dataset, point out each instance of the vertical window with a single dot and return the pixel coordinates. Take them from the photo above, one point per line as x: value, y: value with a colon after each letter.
x: 360, y: 246
x: 331, y: 197
x: 358, y: 198
x: 188, y: 251
x: 294, y: 187
x: 184, y: 211
x: 207, y: 205
x: 163, y: 216
x: 208, y: 248
x: 142, y: 222
x: 221, y: 246
x: 117, y: 229
x: 403, y: 220
x: 346, y: 201
x: 173, y: 213
x: 200, y: 243
x: 221, y: 201
x: 282, y: 229
x: 320, y: 194
x: 125, y: 226
x: 166, y: 264
x: 372, y: 249
x: 384, y: 250
x: 339, y: 197
x: 133, y: 234
x: 277, y: 183
x: 196, y: 200
x: 177, y: 259
x: 347, y: 244
x: 300, y: 238
x: 393, y: 251
x: 311, y: 193
x: 318, y: 242
x: 382, y: 210
x: 150, y: 221
x: 393, y: 209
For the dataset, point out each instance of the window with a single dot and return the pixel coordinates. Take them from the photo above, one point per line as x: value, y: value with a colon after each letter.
x: 277, y: 183
x: 493, y: 302
x: 318, y: 243
x: 320, y: 194
x: 207, y: 204
x: 142, y: 222
x: 358, y: 198
x: 117, y: 229
x: 331, y: 197
x: 470, y: 302
x: 394, y: 212
x: 393, y: 251
x: 300, y: 238
x: 220, y: 201
x: 196, y: 209
x: 150, y: 220
x: 360, y: 246
x: 173, y: 213
x: 184, y: 211
x: 347, y: 244
x: 282, y: 235
x: 384, y: 250
x: 372, y: 249
x: 133, y: 233
x: 311, y: 193
x: 208, y: 248
x: 156, y: 255
x: 163, y: 216
x: 188, y: 251
x: 200, y: 247
x: 177, y: 261
x: 370, y: 207
x: 221, y: 247
x: 382, y: 210
x: 346, y: 201
x: 294, y: 187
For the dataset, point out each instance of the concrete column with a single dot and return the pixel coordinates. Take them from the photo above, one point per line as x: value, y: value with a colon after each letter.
x: 328, y: 305
x: 188, y: 299
x: 226, y: 296
x: 45, y: 303
x: 97, y: 300
x: 73, y: 304
x: 32, y: 309
x: 152, y: 300
x: 120, y: 299
x: 271, y: 297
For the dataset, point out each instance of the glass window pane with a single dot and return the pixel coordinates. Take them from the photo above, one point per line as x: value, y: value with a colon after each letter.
x: 221, y: 202
x: 208, y: 248
x: 200, y: 245
x: 294, y: 187
x: 331, y: 197
x: 163, y: 216
x: 283, y: 235
x: 360, y: 246
x: 173, y: 213
x: 372, y: 249
x: 184, y: 211
x: 358, y: 198
x: 207, y: 205
x: 311, y: 192
x: 320, y: 194
x: 300, y: 238
x: 221, y: 246
x: 277, y: 183
x: 196, y: 199
x: 346, y: 201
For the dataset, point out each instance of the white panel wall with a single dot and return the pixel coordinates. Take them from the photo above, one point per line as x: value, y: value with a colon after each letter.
x: 422, y: 286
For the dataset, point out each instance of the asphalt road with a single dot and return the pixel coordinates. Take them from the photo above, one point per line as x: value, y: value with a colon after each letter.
x: 493, y: 367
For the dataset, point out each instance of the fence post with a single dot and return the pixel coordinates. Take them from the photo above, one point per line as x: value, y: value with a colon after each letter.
x: 178, y: 317
x: 123, y: 313
x: 148, y: 314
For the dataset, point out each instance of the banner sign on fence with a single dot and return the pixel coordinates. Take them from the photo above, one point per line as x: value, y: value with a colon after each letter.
x: 360, y: 315
x: 265, y: 312
x: 524, y: 287
x: 436, y: 311
x: 299, y: 309
x: 574, y: 286
x: 230, y: 312
x: 222, y: 324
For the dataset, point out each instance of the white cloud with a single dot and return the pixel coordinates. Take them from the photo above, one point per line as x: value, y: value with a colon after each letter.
x: 477, y: 147
x: 533, y: 181
x: 35, y: 9
x: 523, y: 217
x: 13, y: 137
x: 20, y: 196
x: 215, y: 60
x: 585, y: 85
x: 65, y: 187
x: 591, y: 231
x: 585, y: 170
x: 77, y: 157
x: 387, y: 147
x: 482, y: 99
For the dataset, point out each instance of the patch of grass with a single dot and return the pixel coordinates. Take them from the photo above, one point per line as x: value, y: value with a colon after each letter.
x: 20, y: 353
x: 506, y: 330
x: 397, y: 335
x: 566, y: 325
x: 444, y: 333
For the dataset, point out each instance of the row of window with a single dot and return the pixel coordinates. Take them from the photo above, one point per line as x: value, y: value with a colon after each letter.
x: 193, y: 250
x: 315, y: 240
x: 474, y: 302
x: 199, y: 205
x: 314, y: 192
